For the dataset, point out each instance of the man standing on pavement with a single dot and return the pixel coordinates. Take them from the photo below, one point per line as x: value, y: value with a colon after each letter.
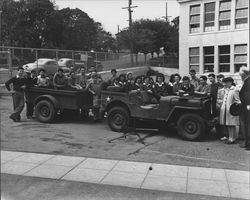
x: 194, y: 79
x: 31, y: 82
x: 245, y: 106
x: 19, y: 84
x: 213, y: 91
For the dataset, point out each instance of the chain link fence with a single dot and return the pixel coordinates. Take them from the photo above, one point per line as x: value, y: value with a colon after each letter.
x: 105, y: 60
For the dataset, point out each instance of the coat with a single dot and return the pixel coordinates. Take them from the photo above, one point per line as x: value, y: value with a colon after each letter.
x: 230, y: 96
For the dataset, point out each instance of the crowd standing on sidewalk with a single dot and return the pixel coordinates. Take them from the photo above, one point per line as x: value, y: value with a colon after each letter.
x: 223, y: 92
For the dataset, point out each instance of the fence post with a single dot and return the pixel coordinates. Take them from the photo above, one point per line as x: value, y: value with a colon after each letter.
x: 36, y: 61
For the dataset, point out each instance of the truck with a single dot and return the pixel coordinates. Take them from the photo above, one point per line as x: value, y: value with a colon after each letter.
x: 191, y: 115
x: 48, y: 103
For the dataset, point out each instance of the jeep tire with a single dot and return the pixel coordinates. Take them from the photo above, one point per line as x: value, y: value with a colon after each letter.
x: 118, y: 119
x: 45, y: 111
x: 191, y: 127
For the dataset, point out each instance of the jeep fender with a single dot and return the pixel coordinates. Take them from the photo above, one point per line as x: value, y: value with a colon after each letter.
x: 50, y: 98
x: 173, y: 114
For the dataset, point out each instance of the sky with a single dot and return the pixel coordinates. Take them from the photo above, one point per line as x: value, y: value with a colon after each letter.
x: 111, y: 14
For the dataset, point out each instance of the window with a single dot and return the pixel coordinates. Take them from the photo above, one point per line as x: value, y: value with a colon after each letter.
x: 208, y: 59
x: 209, y: 16
x: 225, y: 15
x: 240, y: 56
x: 194, y: 58
x: 241, y: 13
x: 224, y: 58
x: 194, y: 19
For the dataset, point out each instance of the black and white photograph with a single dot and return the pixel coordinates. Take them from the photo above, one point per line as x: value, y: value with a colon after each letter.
x: 124, y: 100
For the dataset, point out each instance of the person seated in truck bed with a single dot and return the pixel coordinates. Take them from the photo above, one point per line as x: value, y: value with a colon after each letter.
x: 60, y: 81
x: 81, y: 79
x: 161, y: 88
x: 186, y: 88
x: 72, y: 81
x: 42, y: 80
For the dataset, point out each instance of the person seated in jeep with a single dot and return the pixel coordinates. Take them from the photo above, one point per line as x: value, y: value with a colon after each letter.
x: 186, y: 88
x: 161, y: 88
x: 113, y: 77
x: 147, y: 93
x: 130, y: 81
x: 60, y: 81
x: 138, y: 83
x: 203, y: 87
x: 177, y: 84
x: 122, y: 80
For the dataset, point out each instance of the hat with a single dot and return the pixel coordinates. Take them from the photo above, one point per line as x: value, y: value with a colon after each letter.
x: 235, y: 109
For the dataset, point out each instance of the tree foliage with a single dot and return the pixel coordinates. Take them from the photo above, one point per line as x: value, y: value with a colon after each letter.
x: 149, y: 36
x: 38, y: 23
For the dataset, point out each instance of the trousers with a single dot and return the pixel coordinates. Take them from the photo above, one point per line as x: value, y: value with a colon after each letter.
x: 18, y: 104
x: 245, y: 125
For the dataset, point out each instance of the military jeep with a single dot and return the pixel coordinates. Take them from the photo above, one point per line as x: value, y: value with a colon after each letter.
x: 191, y: 115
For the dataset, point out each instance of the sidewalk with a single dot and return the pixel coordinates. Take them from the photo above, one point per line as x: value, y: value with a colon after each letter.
x: 172, y: 178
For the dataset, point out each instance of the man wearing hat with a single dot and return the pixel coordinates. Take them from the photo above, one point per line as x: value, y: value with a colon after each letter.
x: 245, y: 106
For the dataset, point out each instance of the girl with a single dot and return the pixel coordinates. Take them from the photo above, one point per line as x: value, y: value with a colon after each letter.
x: 228, y: 121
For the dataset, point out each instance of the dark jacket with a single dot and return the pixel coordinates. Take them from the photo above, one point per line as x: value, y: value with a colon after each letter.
x: 17, y: 83
x: 245, y: 93
x: 31, y: 81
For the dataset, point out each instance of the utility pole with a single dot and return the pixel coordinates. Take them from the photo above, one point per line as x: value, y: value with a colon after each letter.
x: 130, y: 29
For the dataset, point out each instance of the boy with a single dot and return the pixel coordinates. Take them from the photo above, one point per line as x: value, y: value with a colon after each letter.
x: 19, y: 84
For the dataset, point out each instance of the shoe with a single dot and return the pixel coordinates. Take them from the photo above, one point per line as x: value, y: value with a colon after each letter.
x: 13, y: 118
x: 247, y: 148
x: 230, y: 142
x: 223, y: 138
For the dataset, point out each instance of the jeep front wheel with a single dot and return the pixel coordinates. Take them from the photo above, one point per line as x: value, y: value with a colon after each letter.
x: 191, y: 127
x: 118, y: 119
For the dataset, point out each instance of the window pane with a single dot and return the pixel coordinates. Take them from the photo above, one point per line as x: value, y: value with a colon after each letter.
x: 224, y: 49
x: 241, y: 3
x: 241, y: 21
x: 195, y: 9
x: 209, y: 59
x: 241, y: 13
x: 195, y: 67
x: 225, y: 15
x: 240, y: 48
x: 210, y: 7
x: 225, y: 23
x: 194, y: 60
x: 209, y: 17
x: 225, y: 59
x: 224, y: 68
x: 194, y: 51
x: 240, y: 58
x: 208, y: 50
x: 225, y: 5
x: 238, y: 66
x: 195, y: 19
x: 209, y: 68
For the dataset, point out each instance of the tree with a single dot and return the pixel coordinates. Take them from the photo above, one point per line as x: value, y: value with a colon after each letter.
x: 149, y: 36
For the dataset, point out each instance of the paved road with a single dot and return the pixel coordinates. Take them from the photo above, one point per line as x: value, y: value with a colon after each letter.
x: 86, y: 138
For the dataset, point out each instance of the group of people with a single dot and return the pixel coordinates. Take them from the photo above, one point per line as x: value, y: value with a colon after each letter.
x: 223, y: 92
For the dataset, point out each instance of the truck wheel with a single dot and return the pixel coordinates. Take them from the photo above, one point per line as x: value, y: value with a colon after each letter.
x: 118, y: 119
x: 191, y: 127
x: 45, y: 111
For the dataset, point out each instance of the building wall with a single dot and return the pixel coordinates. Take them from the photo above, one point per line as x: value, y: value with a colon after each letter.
x: 214, y: 38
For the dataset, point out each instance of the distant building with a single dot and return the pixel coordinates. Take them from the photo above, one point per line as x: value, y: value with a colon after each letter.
x: 214, y: 36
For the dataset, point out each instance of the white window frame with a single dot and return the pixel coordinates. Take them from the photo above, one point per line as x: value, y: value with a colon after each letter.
x: 198, y: 14
x: 238, y: 9
x: 242, y: 54
x: 209, y: 28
